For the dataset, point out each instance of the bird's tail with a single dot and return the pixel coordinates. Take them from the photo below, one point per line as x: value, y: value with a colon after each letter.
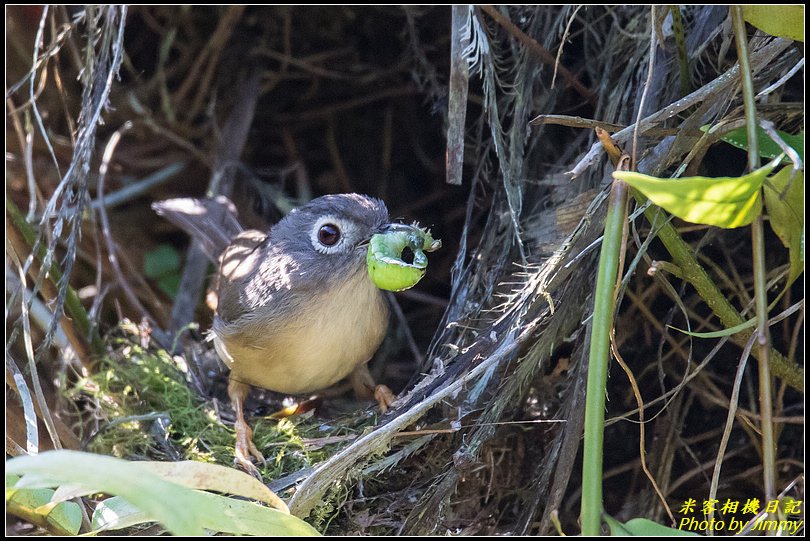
x: 212, y: 222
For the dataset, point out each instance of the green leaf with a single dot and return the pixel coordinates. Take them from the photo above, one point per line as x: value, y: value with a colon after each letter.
x: 721, y: 333
x: 170, y: 284
x: 784, y: 201
x: 241, y: 517
x: 204, y: 476
x: 161, y: 261
x: 216, y: 513
x: 163, y: 264
x: 724, y: 202
x: 616, y: 527
x: 767, y: 146
x: 116, y: 513
x: 148, y: 497
x: 167, y: 502
x: 643, y: 528
x: 782, y: 21
x: 182, y: 510
x: 67, y: 516
x: 35, y: 506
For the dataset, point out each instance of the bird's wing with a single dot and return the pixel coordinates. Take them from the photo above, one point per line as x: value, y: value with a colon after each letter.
x: 212, y: 222
x: 239, y: 267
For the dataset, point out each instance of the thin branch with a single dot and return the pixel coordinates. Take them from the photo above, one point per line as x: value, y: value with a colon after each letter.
x: 647, y: 83
x: 105, y: 222
x: 540, y: 52
x: 732, y: 408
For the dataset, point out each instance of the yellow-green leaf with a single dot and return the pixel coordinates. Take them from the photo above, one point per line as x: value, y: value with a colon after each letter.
x: 725, y: 201
x: 203, y: 476
x: 782, y: 21
x: 784, y: 201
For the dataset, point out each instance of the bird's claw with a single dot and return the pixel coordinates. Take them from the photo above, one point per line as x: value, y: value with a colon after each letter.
x: 245, y: 450
x: 384, y: 396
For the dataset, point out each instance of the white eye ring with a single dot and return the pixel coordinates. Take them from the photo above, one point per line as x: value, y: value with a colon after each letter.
x: 345, y: 227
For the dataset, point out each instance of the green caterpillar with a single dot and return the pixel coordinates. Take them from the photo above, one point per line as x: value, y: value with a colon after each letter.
x: 386, y: 267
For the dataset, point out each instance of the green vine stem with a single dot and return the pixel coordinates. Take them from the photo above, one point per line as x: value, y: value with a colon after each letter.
x: 760, y: 278
x: 599, y: 358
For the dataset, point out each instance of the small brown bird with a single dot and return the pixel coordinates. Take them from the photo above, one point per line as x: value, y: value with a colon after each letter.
x: 297, y: 310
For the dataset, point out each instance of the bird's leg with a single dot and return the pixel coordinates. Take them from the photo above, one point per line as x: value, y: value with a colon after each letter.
x: 245, y: 448
x: 364, y: 386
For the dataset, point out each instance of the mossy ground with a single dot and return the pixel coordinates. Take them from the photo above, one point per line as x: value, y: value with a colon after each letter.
x: 145, y: 409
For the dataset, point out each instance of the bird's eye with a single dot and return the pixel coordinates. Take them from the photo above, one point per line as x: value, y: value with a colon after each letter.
x: 328, y: 234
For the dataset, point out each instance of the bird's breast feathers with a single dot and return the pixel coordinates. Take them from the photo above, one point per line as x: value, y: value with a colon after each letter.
x: 319, y: 340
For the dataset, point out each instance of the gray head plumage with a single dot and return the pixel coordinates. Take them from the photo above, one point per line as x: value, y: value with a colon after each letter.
x: 356, y: 218
x: 291, y: 263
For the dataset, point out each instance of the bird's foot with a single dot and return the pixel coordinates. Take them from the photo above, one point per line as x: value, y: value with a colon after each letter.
x: 246, y: 450
x: 365, y: 387
x: 384, y: 396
